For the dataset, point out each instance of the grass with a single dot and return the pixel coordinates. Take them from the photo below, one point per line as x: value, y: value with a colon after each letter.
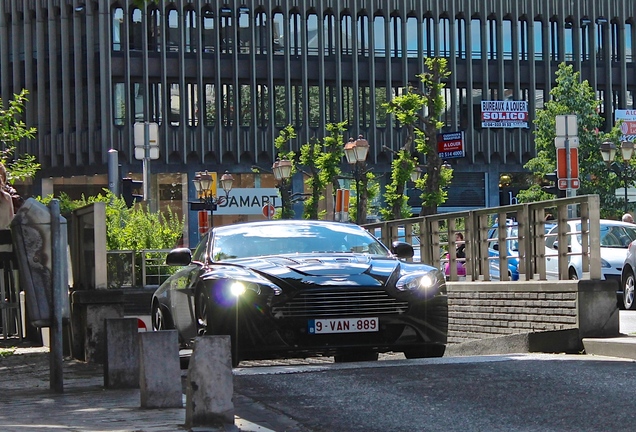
x: 6, y: 352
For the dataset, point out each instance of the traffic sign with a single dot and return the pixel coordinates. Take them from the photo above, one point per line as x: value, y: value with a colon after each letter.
x: 269, y: 211
x: 562, y: 163
x: 140, y: 140
x: 562, y: 183
x: 566, y: 125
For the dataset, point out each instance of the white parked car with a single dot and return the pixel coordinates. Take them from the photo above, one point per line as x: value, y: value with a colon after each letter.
x: 616, y: 236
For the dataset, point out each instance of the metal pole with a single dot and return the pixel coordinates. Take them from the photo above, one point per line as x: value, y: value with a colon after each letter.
x: 113, y: 172
x: 56, y: 352
x: 625, y: 180
x: 356, y: 174
x: 146, y: 164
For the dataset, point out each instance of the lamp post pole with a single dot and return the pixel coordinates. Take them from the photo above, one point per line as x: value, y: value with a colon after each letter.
x: 356, y: 153
x: 608, y: 151
x: 203, y: 183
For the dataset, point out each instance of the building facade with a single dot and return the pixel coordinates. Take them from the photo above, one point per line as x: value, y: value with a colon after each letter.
x: 221, y: 79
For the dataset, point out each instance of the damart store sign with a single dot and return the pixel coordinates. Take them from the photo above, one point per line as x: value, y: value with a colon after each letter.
x: 249, y: 201
x: 504, y: 114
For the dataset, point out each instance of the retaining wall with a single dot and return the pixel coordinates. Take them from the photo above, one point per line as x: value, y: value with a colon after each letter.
x: 489, y: 309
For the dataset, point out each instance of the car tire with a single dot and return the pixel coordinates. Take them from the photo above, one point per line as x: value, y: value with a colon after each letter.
x: 428, y: 352
x: 628, y: 291
x: 160, y: 318
x: 356, y: 357
x: 572, y: 275
x: 203, y: 317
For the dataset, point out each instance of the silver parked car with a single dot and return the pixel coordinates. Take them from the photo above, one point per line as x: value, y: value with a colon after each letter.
x: 628, y: 279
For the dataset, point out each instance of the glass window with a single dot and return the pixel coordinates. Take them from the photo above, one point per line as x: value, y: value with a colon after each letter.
x: 460, y: 38
x: 154, y: 29
x: 396, y: 36
x: 119, y: 103
x: 174, y: 116
x: 330, y: 34
x: 245, y: 101
x: 208, y: 35
x: 312, y: 34
x: 192, y: 98
x: 444, y: 37
x: 190, y: 25
x: 522, y: 39
x: 347, y: 35
x: 210, y: 105
x: 475, y: 38
x: 507, y: 38
x: 492, y: 39
x: 262, y: 105
x: 244, y: 35
x: 279, y: 33
x: 555, y: 53
x: 379, y: 42
x: 295, y: 34
x: 225, y: 28
x: 135, y: 35
x: 173, y: 37
x: 227, y: 104
x: 280, y: 102
x: 117, y: 16
x: 314, y: 106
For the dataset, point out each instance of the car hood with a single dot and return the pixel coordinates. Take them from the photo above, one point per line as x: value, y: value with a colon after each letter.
x: 614, y: 256
x: 304, y: 271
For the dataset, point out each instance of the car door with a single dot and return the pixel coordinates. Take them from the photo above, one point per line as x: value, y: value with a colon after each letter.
x: 182, y: 289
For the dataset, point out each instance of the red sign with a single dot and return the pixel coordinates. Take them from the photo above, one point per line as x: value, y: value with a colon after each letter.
x: 562, y: 165
x: 269, y: 211
x: 562, y: 184
x: 204, y: 224
x: 450, y: 145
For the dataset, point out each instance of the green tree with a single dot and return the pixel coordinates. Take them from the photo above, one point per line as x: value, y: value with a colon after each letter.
x: 281, y: 142
x: 571, y: 95
x: 421, y: 132
x: 12, y: 130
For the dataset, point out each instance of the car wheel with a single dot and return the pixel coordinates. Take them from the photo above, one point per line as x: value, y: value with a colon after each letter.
x: 160, y: 319
x: 572, y: 275
x: 356, y: 357
x: 428, y: 352
x: 628, y: 292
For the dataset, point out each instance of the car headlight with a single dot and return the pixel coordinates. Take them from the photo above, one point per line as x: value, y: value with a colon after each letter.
x: 605, y: 264
x: 420, y: 282
x: 238, y: 288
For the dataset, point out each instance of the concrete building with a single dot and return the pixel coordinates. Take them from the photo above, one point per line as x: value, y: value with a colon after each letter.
x: 222, y: 78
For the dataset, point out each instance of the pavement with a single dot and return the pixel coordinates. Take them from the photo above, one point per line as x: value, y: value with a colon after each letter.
x: 28, y: 403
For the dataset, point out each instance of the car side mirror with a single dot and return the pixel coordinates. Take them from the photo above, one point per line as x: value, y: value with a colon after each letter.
x: 179, y: 257
x: 555, y: 245
x: 495, y: 246
x: 402, y: 249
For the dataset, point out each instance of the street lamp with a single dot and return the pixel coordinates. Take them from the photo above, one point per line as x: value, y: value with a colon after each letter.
x: 282, y: 170
x: 608, y: 151
x: 203, y: 182
x: 356, y: 153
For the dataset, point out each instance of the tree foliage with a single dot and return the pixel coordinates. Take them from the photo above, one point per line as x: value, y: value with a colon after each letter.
x: 12, y: 130
x: 421, y: 132
x: 134, y: 228
x: 571, y: 95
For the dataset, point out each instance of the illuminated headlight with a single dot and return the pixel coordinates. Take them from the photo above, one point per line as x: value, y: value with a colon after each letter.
x: 237, y: 289
x: 418, y: 281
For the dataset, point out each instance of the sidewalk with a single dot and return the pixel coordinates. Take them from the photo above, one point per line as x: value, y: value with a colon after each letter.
x: 29, y: 404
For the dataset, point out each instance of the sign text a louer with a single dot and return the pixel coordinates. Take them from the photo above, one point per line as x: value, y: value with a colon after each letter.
x: 249, y: 201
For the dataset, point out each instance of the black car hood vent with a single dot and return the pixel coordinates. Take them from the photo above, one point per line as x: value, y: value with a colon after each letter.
x: 319, y: 266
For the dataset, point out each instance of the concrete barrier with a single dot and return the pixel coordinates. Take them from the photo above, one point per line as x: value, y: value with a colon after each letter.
x: 121, y: 365
x: 210, y: 387
x: 159, y: 370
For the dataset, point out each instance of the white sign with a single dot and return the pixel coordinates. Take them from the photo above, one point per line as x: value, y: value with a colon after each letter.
x: 628, y: 125
x: 140, y: 140
x: 566, y: 126
x: 249, y: 201
x: 504, y: 114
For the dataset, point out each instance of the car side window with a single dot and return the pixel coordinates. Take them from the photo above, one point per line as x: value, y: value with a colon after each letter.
x: 199, y: 252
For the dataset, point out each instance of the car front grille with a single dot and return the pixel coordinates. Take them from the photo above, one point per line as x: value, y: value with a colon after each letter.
x: 340, y: 303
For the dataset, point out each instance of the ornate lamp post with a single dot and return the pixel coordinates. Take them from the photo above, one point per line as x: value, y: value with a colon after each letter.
x: 282, y: 170
x: 623, y: 171
x: 203, y: 183
x: 356, y: 153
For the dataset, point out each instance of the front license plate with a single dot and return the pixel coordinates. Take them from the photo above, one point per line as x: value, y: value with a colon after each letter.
x: 343, y: 325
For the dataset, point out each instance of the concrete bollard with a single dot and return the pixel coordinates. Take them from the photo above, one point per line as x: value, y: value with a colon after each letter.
x: 121, y: 365
x: 159, y: 370
x: 210, y: 386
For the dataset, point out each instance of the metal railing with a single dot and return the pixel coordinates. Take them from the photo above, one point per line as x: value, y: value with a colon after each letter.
x: 525, y: 245
x: 138, y: 269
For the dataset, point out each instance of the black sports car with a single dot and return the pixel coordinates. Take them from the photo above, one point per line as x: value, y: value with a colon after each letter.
x: 297, y: 288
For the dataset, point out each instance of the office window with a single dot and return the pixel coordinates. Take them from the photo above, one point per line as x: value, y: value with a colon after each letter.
x: 280, y: 104
x: 507, y: 38
x: 137, y: 100
x: 280, y: 33
x: 493, y: 52
x: 555, y: 53
x: 225, y: 29
x: 314, y: 106
x: 428, y: 36
x: 364, y: 107
x: 244, y: 31
x: 208, y: 34
x: 262, y: 105
x: 190, y: 26
x: 135, y: 30
x: 173, y: 36
x: 475, y: 38
x: 346, y: 31
x: 227, y: 104
x: 444, y: 37
x: 395, y: 35
x: 522, y: 39
x: 538, y: 39
x: 380, y: 99
x: 329, y: 23
x: 312, y: 34
x: 628, y: 42
x: 245, y: 104
x: 119, y: 103
x: 379, y: 37
x: 154, y: 29
x: 568, y: 33
x: 295, y: 34
x: 210, y: 105
x: 192, y: 104
x: 117, y: 16
x: 174, y: 93
x: 460, y: 37
x: 298, y: 112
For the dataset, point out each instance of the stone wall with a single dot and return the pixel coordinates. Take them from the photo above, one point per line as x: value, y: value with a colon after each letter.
x: 479, y: 310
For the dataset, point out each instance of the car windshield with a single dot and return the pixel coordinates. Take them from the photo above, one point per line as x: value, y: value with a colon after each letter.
x: 243, y: 241
x: 614, y: 236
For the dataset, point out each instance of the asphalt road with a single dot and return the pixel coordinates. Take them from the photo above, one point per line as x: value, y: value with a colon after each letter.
x: 525, y: 392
